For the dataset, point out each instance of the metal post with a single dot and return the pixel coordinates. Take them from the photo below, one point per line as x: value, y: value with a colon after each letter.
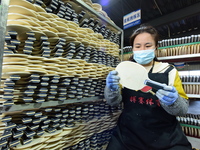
x: 3, y: 22
x: 122, y: 45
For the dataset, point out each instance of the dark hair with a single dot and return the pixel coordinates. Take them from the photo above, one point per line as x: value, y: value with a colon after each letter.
x: 144, y: 29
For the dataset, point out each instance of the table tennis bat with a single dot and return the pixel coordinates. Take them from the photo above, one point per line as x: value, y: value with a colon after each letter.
x: 134, y: 76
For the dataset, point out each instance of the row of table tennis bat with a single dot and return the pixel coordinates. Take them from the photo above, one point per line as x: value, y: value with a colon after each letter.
x: 59, y: 48
x: 27, y: 125
x: 37, y: 89
x: 66, y: 11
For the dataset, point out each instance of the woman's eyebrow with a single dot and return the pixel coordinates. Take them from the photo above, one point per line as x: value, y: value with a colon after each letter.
x: 148, y: 43
x: 137, y: 44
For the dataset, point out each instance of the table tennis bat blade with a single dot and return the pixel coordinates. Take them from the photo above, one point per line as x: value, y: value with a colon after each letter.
x: 134, y: 76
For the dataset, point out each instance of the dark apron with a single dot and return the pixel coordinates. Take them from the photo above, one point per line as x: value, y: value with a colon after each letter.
x: 145, y: 125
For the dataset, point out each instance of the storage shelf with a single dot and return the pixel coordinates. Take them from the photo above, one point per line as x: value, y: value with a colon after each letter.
x: 180, y: 58
x: 191, y: 126
x: 170, y: 47
x: 179, y: 45
x: 128, y: 53
x: 18, y: 107
x: 83, y: 4
x: 15, y: 110
x: 196, y: 83
x: 193, y: 95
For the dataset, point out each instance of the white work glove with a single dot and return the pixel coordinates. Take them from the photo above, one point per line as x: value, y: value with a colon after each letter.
x: 168, y: 95
x: 112, y: 80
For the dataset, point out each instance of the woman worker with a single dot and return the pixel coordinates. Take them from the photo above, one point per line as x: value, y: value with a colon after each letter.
x: 148, y: 122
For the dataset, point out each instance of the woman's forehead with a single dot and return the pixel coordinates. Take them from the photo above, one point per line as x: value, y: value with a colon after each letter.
x: 144, y: 38
x: 144, y: 35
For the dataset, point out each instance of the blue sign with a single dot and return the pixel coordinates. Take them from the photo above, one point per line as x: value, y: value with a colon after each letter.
x: 132, y: 19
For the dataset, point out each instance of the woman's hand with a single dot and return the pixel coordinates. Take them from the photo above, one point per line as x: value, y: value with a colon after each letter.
x: 112, y: 80
x: 168, y: 95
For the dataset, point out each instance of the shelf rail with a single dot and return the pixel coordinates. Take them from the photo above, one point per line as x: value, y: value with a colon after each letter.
x: 3, y: 22
x: 179, y: 45
x: 18, y: 107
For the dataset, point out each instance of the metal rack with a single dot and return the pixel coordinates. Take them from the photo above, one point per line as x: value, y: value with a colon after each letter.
x: 3, y: 19
x: 17, y: 107
x: 185, y: 58
x: 83, y: 4
x: 180, y: 58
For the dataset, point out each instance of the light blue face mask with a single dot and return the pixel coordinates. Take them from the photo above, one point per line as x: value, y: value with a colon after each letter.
x: 143, y: 56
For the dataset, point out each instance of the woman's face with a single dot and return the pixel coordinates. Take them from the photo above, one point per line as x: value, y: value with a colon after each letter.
x: 143, y: 41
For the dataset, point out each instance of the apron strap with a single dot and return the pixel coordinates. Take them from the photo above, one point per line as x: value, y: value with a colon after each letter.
x: 166, y: 71
x: 150, y: 71
x: 169, y: 69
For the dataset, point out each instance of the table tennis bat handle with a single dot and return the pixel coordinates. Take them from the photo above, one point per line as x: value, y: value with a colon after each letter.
x: 155, y: 85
